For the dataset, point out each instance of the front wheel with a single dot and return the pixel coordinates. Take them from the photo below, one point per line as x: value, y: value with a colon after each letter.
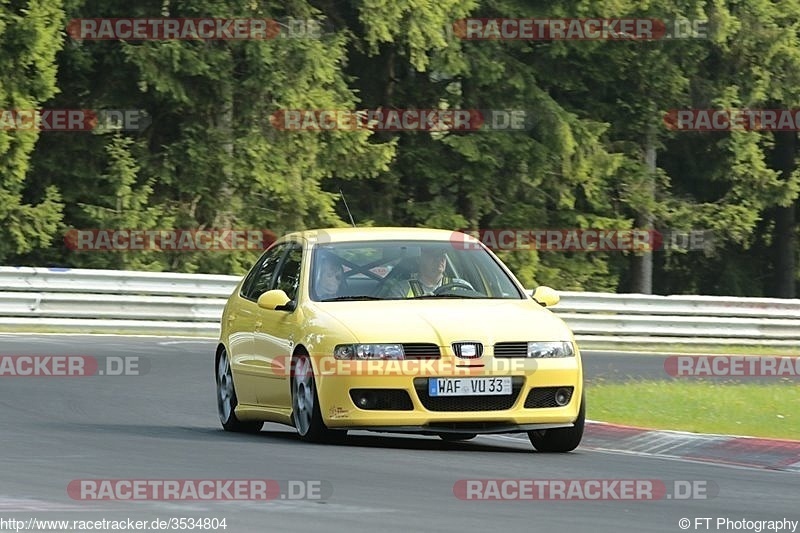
x: 560, y: 440
x: 306, y: 413
x: 226, y: 399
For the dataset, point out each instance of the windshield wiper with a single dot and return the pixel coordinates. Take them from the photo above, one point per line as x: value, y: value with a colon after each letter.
x: 345, y: 298
x: 462, y: 296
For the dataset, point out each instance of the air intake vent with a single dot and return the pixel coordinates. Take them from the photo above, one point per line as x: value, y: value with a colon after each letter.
x: 421, y: 350
x: 511, y: 349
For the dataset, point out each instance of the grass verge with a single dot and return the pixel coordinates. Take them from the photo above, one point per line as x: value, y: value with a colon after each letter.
x: 758, y: 410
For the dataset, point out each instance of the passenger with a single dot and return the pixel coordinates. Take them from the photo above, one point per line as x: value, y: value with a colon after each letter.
x: 329, y: 279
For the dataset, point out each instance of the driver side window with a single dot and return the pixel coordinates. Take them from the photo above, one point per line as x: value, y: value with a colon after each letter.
x: 288, y: 276
x: 261, y: 278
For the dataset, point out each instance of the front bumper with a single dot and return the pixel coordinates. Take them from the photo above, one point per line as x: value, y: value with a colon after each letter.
x: 471, y: 414
x: 466, y: 428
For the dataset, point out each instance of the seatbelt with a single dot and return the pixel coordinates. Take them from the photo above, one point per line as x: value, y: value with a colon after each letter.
x: 418, y: 290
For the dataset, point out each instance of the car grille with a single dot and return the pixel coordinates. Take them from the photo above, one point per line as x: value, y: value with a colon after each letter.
x: 382, y: 399
x: 543, y: 397
x: 457, y: 349
x: 511, y: 349
x: 421, y: 350
x: 468, y: 403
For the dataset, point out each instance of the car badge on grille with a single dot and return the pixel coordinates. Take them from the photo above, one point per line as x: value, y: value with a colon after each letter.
x: 468, y: 350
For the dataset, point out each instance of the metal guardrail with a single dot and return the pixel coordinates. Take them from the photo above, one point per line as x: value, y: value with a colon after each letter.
x: 76, y: 280
x: 109, y: 301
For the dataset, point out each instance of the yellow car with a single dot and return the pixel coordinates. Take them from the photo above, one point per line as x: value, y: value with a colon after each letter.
x: 402, y: 330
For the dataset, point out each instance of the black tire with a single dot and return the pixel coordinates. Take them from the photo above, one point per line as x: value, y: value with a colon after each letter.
x: 457, y: 437
x: 306, y: 415
x: 560, y: 440
x: 226, y: 398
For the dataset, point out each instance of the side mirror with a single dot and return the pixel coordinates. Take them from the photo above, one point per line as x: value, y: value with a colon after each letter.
x: 545, y: 296
x: 274, y: 300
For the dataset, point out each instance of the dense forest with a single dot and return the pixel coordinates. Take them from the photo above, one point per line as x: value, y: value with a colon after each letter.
x: 595, y: 152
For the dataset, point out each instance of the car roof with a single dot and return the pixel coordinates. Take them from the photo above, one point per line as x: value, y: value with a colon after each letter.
x: 332, y: 235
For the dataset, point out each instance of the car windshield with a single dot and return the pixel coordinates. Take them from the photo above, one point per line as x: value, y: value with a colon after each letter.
x: 394, y: 270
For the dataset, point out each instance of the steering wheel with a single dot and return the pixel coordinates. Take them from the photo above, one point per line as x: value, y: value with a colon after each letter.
x: 455, y: 284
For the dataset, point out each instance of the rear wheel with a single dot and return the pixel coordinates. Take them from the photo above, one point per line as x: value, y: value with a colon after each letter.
x: 226, y: 399
x: 456, y: 437
x: 306, y: 413
x: 562, y: 439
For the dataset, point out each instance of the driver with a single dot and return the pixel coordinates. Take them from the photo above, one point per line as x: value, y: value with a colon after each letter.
x: 432, y: 264
x: 431, y: 273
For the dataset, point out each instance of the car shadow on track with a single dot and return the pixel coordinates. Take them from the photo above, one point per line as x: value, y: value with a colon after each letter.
x: 401, y: 442
x: 359, y: 440
x: 145, y: 430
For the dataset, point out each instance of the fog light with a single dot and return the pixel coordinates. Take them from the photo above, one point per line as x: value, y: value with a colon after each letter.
x: 365, y: 400
x: 562, y: 397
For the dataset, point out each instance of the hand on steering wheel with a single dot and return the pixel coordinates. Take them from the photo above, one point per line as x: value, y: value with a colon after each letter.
x: 455, y: 284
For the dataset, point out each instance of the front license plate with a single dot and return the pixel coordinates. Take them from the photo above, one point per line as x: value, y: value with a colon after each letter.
x: 469, y: 386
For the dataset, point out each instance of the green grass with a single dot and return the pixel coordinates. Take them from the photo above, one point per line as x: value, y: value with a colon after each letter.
x: 758, y: 410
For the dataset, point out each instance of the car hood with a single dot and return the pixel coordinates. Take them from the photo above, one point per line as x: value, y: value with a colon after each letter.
x: 446, y: 321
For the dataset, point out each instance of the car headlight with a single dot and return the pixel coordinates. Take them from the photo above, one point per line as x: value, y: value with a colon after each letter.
x: 550, y: 349
x: 368, y: 351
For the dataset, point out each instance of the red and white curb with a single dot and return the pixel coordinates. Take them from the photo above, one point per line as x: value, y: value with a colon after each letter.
x: 732, y: 450
x: 753, y: 452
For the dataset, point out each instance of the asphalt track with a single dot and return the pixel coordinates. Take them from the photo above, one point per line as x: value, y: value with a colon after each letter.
x: 163, y: 425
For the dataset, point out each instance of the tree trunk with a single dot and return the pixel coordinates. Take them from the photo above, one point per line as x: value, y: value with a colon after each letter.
x: 784, y: 244
x: 643, y: 262
x: 223, y: 122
